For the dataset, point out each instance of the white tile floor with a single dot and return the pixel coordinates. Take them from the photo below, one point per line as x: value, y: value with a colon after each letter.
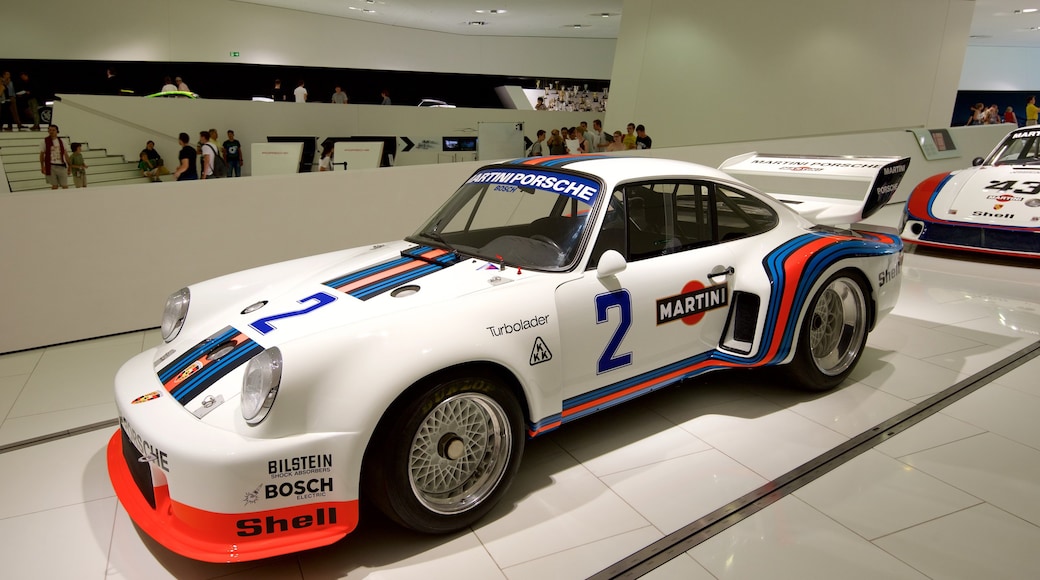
x: 956, y: 496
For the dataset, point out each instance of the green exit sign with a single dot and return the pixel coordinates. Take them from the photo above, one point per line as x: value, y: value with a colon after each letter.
x: 234, y: 53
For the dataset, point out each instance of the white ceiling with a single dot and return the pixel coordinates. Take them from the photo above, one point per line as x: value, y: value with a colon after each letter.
x: 552, y: 18
x: 995, y: 22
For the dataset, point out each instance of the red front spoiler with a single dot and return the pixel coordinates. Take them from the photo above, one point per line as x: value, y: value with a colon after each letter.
x: 224, y: 538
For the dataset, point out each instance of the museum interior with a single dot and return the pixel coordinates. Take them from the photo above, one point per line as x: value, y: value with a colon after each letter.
x: 923, y: 463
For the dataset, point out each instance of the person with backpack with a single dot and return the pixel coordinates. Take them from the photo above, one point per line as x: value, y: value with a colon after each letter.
x: 213, y: 165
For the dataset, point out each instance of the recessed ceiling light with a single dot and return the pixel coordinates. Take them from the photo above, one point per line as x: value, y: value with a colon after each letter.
x: 495, y: 11
x: 1026, y: 10
x: 576, y: 26
x: 477, y: 23
x: 365, y: 10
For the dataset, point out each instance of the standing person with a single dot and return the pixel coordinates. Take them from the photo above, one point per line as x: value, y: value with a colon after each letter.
x: 977, y: 114
x: 386, y: 97
x: 325, y: 163
x: 583, y: 142
x: 1009, y: 116
x: 596, y: 138
x: 214, y: 139
x: 643, y: 141
x: 12, y: 100
x: 540, y: 105
x: 300, y: 93
x: 539, y: 147
x: 5, y: 107
x: 181, y: 85
x: 78, y: 166
x: 186, y: 158
x: 208, y: 154
x: 630, y: 136
x: 1031, y: 110
x: 339, y: 97
x: 32, y: 103
x: 233, y: 155
x: 992, y: 117
x: 278, y: 94
x: 616, y: 144
x: 168, y: 86
x: 54, y: 160
x: 556, y: 144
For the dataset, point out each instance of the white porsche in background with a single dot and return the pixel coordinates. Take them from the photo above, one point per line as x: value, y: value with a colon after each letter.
x: 410, y: 373
x: 992, y: 207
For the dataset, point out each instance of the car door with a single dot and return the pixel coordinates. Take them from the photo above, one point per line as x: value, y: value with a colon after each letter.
x: 620, y: 333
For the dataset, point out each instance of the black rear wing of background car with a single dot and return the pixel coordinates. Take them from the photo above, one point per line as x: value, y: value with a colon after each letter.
x: 771, y: 173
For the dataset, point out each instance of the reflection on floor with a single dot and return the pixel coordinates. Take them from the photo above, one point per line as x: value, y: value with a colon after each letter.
x: 957, y: 496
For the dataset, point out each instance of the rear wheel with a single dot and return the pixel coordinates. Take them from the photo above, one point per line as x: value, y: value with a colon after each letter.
x: 444, y: 459
x: 833, y: 333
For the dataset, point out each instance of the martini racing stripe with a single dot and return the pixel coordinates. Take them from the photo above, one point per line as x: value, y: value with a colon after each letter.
x: 793, y: 268
x: 206, y: 363
x: 412, y: 265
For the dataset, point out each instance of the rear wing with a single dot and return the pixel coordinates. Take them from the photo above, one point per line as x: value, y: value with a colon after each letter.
x: 880, y: 176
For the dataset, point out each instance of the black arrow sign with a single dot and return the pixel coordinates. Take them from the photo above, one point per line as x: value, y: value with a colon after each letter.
x: 407, y: 144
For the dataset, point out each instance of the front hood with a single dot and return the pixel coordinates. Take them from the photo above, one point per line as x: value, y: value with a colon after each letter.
x: 362, y: 285
x: 993, y: 196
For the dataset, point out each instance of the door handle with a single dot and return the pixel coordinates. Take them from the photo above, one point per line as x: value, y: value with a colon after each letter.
x: 715, y: 274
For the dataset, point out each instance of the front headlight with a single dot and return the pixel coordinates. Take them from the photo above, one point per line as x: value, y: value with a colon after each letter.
x: 174, y: 313
x: 260, y: 385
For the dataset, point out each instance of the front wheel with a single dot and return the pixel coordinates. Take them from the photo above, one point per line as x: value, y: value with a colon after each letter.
x: 833, y: 334
x: 444, y: 459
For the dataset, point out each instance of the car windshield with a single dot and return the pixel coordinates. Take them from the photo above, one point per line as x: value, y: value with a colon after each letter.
x: 526, y: 217
x: 1018, y: 148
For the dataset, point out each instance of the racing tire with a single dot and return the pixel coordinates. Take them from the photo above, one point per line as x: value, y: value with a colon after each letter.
x: 833, y: 333
x: 445, y: 458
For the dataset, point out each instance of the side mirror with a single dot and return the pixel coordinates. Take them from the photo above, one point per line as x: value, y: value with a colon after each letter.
x: 610, y: 264
x: 977, y: 161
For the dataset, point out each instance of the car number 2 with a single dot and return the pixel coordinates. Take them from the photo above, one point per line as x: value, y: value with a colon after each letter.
x: 622, y: 301
x: 263, y: 325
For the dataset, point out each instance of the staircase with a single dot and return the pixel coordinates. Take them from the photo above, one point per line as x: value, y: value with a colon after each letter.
x: 20, y: 155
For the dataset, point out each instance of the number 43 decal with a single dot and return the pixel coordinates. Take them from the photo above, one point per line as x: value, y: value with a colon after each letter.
x: 622, y: 301
x: 1033, y: 186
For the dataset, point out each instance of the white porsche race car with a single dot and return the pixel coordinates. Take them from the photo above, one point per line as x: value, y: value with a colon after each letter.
x: 993, y: 207
x: 410, y: 373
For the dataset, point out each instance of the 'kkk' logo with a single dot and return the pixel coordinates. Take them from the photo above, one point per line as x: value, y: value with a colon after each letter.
x: 540, y: 353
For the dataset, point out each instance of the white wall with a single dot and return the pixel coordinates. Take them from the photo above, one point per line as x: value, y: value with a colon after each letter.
x: 209, y: 30
x: 1001, y: 68
x: 90, y: 262
x: 715, y: 71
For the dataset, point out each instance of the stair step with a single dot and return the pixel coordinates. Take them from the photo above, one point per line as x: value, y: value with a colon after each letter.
x: 92, y: 163
x: 92, y: 172
x: 37, y: 184
x: 20, y: 155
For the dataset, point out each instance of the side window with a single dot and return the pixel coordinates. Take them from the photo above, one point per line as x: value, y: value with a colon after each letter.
x: 645, y: 220
x: 740, y: 215
x: 667, y: 217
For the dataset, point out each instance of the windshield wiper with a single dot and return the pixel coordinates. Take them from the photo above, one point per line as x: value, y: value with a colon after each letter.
x: 440, y: 261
